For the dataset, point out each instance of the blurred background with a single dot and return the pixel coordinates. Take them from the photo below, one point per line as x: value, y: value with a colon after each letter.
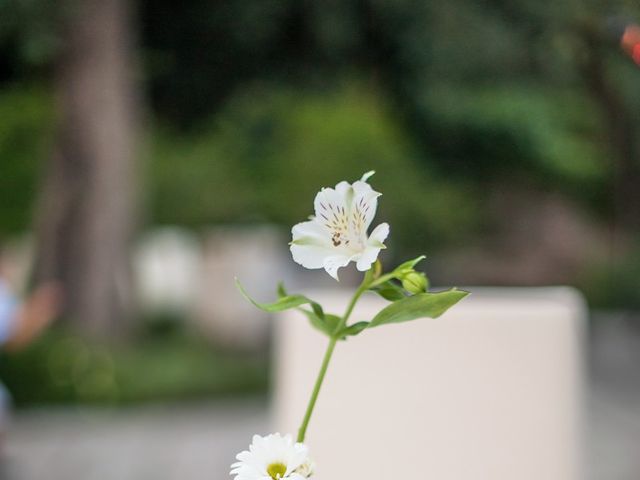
x: 151, y: 151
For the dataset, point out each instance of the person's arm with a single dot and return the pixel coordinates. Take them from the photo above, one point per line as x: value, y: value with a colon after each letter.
x: 33, y: 316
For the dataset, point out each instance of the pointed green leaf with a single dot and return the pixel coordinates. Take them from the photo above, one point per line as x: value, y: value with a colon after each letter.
x: 317, y: 309
x: 398, y: 273
x: 283, y: 303
x: 422, y: 305
x: 353, y: 330
x: 281, y: 290
x: 408, y: 265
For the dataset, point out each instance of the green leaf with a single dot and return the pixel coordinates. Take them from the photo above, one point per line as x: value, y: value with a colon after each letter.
x: 422, y: 305
x: 281, y: 290
x: 326, y: 324
x: 317, y: 309
x: 283, y: 303
x: 398, y: 273
x: 353, y: 330
x: 315, y: 320
x: 332, y: 322
x: 389, y: 291
x: 407, y: 266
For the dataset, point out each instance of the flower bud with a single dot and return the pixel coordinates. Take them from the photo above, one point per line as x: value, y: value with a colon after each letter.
x: 415, y: 282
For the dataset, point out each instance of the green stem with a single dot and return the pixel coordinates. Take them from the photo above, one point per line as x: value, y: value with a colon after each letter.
x: 316, y: 389
x: 361, y: 289
x: 325, y: 362
x: 382, y: 279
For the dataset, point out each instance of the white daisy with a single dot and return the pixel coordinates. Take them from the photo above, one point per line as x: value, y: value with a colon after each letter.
x: 337, y: 234
x: 273, y: 457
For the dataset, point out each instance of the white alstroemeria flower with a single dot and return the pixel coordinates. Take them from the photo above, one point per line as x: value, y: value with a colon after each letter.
x: 337, y: 234
x: 273, y: 457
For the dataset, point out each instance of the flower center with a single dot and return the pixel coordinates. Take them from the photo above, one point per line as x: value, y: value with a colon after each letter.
x: 346, y: 227
x: 277, y: 470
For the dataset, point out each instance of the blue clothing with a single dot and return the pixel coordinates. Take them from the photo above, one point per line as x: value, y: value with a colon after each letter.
x: 8, y: 312
x: 8, y: 318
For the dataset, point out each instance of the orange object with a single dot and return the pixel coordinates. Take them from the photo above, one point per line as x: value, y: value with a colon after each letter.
x: 630, y: 42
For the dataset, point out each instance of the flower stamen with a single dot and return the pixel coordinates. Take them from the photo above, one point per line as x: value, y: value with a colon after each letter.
x: 277, y: 470
x: 335, y: 239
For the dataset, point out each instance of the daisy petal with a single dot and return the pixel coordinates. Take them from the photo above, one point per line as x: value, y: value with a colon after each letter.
x: 273, y: 456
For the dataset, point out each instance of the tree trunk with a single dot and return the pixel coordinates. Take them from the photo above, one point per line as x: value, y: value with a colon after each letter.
x: 87, y: 208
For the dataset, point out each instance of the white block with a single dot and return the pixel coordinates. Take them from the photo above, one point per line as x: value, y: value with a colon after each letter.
x: 492, y: 390
x: 255, y: 256
x: 167, y: 266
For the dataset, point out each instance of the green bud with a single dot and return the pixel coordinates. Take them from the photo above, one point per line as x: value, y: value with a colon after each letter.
x: 415, y: 282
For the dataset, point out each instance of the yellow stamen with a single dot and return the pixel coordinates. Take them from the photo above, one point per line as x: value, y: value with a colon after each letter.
x: 277, y: 470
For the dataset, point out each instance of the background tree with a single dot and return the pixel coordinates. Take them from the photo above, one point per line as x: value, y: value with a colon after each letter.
x: 88, y: 203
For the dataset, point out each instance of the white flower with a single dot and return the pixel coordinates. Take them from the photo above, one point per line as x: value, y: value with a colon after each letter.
x: 273, y: 457
x: 337, y: 234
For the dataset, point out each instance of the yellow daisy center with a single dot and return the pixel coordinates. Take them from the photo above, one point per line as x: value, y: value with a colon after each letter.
x: 277, y: 470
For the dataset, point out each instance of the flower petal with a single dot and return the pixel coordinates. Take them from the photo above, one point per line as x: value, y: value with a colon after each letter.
x: 363, y: 207
x: 310, y: 232
x: 367, y: 175
x: 379, y: 235
x: 310, y: 244
x: 334, y: 262
x: 343, y: 188
x: 367, y: 258
x: 331, y: 206
x: 374, y: 245
x: 274, y: 448
x: 309, y: 256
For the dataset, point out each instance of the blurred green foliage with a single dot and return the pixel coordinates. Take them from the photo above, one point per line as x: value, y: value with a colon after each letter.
x: 250, y: 99
x: 253, y: 104
x: 613, y: 285
x: 551, y: 131
x: 26, y: 116
x: 269, y: 146
x: 160, y: 365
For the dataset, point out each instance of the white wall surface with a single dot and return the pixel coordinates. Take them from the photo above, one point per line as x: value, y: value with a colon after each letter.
x: 492, y: 390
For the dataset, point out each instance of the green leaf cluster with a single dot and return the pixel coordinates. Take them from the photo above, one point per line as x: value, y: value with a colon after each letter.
x: 411, y: 281
x: 405, y: 288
